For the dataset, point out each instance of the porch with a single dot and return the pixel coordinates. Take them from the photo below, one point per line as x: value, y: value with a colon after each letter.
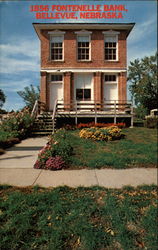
x: 94, y: 110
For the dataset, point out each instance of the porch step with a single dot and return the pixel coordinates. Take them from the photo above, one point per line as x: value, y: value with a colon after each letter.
x: 43, y: 125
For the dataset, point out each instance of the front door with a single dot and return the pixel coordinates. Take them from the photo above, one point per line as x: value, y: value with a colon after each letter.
x: 55, y: 93
x: 110, y: 90
x: 83, y: 91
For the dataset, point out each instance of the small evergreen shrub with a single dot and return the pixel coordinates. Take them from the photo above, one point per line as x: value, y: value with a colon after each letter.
x: 151, y: 122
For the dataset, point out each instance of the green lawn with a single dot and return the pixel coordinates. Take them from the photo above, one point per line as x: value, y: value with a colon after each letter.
x: 82, y: 218
x: 138, y: 149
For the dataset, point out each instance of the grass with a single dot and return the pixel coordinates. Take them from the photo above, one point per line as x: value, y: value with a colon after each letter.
x: 81, y: 218
x: 138, y: 149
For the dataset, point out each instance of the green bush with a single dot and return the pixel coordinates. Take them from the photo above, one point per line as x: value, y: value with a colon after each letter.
x: 17, y: 124
x: 151, y: 122
x: 63, y: 149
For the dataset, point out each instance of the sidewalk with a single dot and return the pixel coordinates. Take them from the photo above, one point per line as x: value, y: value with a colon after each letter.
x: 16, y: 168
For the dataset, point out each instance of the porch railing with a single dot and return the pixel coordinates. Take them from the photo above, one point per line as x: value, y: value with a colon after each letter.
x: 113, y: 108
x: 38, y: 108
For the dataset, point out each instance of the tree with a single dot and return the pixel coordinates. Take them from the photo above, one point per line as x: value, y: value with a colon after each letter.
x: 29, y: 95
x: 2, y: 98
x: 142, y: 75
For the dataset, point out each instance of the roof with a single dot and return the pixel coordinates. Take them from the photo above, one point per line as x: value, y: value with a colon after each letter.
x: 69, y: 26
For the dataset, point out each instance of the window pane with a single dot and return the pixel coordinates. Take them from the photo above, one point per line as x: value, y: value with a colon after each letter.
x: 79, y: 94
x: 110, y: 78
x: 83, y: 50
x: 87, y: 94
x: 56, y: 78
x: 56, y: 51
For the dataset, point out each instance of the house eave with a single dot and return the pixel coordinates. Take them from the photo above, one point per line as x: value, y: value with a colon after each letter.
x: 79, y: 26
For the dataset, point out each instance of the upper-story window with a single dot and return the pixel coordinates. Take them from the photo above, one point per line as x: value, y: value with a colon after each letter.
x: 83, y: 48
x: 57, y: 48
x: 83, y: 45
x: 111, y: 45
x: 110, y: 48
x: 56, y: 45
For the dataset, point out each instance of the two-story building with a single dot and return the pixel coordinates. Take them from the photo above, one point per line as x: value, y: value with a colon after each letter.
x: 84, y: 67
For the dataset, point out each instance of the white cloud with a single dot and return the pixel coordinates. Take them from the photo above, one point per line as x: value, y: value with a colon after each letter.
x: 26, y: 48
x: 20, y: 55
x: 15, y: 85
x: 13, y: 66
x: 143, y: 30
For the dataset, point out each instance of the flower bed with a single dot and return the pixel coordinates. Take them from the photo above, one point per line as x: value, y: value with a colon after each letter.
x: 100, y: 125
x: 55, y: 154
x: 102, y: 134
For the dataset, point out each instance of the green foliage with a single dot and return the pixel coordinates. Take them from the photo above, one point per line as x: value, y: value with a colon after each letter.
x: 5, y: 135
x: 80, y: 218
x: 151, y: 122
x: 58, y: 151
x: 2, y: 98
x: 140, y: 112
x: 29, y: 95
x: 18, y: 124
x: 143, y: 79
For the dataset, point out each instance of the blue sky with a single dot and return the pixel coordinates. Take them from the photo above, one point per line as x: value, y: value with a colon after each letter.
x: 19, y: 44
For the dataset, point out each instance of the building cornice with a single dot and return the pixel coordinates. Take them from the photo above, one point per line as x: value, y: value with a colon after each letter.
x: 85, y: 26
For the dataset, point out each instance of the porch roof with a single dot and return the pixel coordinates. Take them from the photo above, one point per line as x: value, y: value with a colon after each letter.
x: 81, y: 70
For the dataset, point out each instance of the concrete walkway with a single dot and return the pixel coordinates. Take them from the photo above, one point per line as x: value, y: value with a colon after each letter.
x: 16, y: 168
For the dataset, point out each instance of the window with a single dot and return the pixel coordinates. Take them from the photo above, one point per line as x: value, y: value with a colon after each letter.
x: 83, y: 47
x: 110, y: 78
x: 110, y: 48
x: 111, y: 45
x: 57, y: 78
x: 56, y: 47
x: 83, y: 94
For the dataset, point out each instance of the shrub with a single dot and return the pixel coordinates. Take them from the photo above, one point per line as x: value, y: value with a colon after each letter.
x: 18, y: 123
x: 151, y: 122
x: 101, y: 134
x: 63, y: 149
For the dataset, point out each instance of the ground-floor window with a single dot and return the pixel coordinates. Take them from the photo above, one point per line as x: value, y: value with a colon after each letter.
x: 83, y: 94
